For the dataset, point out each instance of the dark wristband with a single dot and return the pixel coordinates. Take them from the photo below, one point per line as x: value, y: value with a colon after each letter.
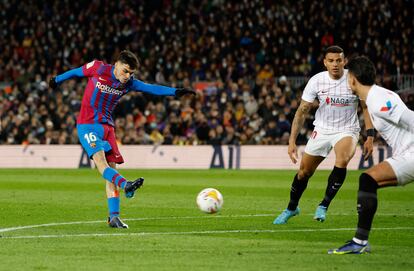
x: 371, y: 132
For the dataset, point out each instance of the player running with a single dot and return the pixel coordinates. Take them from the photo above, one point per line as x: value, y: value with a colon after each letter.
x: 106, y: 85
x: 336, y: 126
x: 395, y: 123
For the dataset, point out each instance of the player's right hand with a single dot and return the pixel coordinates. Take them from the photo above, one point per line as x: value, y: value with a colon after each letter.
x: 52, y: 83
x: 184, y: 91
x: 293, y: 152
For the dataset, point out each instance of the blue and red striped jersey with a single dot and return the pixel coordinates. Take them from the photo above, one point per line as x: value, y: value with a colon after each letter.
x: 103, y: 91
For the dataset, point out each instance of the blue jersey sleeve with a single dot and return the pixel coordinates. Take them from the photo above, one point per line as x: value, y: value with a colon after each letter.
x: 138, y: 85
x: 78, y: 72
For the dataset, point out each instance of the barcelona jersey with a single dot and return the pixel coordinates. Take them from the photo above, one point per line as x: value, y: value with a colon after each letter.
x: 103, y: 91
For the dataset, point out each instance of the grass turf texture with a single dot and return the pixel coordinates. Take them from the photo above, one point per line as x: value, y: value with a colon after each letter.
x: 168, y: 232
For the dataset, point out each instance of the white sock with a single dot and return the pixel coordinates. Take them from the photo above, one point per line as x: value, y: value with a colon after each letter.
x: 359, y: 241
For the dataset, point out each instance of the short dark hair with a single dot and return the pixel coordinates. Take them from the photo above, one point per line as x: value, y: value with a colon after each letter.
x: 128, y: 57
x: 363, y: 69
x: 333, y: 49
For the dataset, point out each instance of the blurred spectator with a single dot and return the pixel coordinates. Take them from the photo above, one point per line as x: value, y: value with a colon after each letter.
x: 247, y: 50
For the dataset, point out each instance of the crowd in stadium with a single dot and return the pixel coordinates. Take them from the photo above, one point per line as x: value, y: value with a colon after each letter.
x: 246, y: 50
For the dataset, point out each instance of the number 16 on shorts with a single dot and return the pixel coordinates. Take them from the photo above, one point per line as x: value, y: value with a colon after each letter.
x: 91, y: 139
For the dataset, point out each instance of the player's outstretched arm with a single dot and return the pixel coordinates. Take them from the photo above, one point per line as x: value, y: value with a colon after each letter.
x: 369, y: 143
x: 138, y: 85
x: 297, y: 125
x: 55, y: 81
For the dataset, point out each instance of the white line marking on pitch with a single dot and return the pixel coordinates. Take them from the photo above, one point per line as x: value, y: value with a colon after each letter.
x: 165, y: 218
x: 190, y: 233
x: 128, y: 219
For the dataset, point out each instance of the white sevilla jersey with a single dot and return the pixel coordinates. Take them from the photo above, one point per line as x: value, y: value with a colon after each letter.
x: 385, y: 109
x: 338, y: 106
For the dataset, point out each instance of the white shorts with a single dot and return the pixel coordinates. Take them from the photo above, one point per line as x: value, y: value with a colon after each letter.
x: 403, y: 166
x: 321, y: 144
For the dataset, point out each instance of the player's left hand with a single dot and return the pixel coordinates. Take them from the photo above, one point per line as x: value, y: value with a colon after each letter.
x: 368, y: 147
x: 179, y: 92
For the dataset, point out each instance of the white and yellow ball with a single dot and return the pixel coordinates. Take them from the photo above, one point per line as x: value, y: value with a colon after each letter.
x: 210, y: 200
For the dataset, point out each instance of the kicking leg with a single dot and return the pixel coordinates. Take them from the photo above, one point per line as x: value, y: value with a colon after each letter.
x: 110, y: 174
x: 308, y: 166
x: 113, y: 176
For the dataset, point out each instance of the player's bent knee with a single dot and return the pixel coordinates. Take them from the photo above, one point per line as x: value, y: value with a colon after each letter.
x: 367, y: 183
x: 305, y: 174
x: 342, y: 163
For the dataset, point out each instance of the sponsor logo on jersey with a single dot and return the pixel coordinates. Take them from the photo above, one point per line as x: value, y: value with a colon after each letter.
x: 338, y: 101
x: 387, y: 107
x: 108, y: 89
x: 93, y: 145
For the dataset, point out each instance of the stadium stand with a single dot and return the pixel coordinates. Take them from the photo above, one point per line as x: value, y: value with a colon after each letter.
x: 248, y: 60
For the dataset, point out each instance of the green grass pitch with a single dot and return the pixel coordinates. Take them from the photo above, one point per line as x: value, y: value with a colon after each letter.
x: 168, y: 232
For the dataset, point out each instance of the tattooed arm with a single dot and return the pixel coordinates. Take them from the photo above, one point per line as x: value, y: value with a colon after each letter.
x: 297, y: 125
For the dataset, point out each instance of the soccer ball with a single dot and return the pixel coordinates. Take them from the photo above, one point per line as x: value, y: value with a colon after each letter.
x: 209, y: 200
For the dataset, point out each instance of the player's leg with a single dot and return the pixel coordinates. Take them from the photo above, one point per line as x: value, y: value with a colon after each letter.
x: 378, y: 176
x: 381, y: 175
x: 110, y: 174
x: 100, y: 144
x: 114, y: 155
x: 308, y: 165
x: 113, y: 176
x: 91, y: 137
x: 112, y: 194
x: 344, y: 151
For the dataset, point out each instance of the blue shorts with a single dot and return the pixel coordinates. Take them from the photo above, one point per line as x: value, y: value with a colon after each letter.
x: 99, y: 137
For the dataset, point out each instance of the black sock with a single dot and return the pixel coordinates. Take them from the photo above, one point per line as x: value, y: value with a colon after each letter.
x: 367, y: 205
x: 335, y: 181
x: 296, y: 191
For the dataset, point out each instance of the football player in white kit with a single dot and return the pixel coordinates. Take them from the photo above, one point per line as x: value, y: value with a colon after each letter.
x: 336, y: 127
x: 395, y: 123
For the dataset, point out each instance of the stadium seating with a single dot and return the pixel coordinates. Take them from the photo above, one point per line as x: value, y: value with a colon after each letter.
x: 248, y: 60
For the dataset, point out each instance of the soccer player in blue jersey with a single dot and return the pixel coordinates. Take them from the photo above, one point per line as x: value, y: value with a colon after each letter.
x: 106, y: 85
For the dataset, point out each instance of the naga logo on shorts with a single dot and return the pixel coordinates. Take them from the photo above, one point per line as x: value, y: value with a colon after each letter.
x: 93, y: 145
x: 108, y: 89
